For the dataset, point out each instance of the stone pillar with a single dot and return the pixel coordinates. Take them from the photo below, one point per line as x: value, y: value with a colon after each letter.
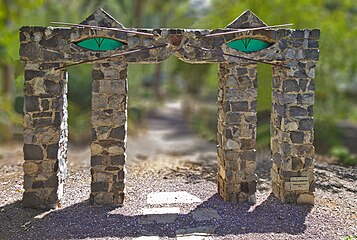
x: 45, y: 134
x: 292, y: 133
x: 109, y: 110
x: 237, y: 121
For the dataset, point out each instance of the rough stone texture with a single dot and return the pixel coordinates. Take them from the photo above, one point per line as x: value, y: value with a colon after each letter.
x: 292, y: 128
x: 45, y: 120
x: 109, y: 104
x: 237, y: 121
x: 45, y: 135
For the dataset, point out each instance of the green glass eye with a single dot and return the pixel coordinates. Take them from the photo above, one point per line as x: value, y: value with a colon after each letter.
x: 248, y: 45
x: 100, y: 44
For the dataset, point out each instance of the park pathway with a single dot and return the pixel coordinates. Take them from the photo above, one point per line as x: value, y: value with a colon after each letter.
x: 164, y: 142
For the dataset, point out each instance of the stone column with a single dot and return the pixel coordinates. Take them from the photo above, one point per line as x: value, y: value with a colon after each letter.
x: 45, y: 134
x: 237, y: 121
x: 292, y: 133
x: 109, y: 110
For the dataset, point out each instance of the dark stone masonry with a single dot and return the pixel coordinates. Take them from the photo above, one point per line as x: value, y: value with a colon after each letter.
x: 44, y: 50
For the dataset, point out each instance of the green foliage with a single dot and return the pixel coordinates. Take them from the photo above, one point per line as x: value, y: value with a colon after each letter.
x: 327, y: 134
x: 263, y: 135
x: 344, y: 155
x: 201, y: 118
x: 349, y: 238
x: 9, y: 119
x: 336, y: 80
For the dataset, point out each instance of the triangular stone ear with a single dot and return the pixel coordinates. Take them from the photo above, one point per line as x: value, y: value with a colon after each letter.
x: 102, y: 19
x: 246, y: 20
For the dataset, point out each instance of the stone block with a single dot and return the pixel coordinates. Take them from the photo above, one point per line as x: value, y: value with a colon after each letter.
x: 99, y: 187
x: 305, y: 199
x: 121, y: 175
x: 104, y: 176
x: 312, y: 54
x: 285, y: 149
x: 97, y: 74
x: 248, y: 155
x: 31, y: 74
x: 291, y: 86
x: 30, y: 51
x: 96, y: 160
x: 297, y: 164
x: 118, y: 133
x: 286, y: 98
x: 32, y: 104
x: 52, y: 88
x: 31, y: 199
x: 247, y: 144
x: 296, y: 111
x: 38, y: 184
x: 42, y: 122
x: 233, y: 118
x: 117, y: 187
x: 45, y: 104
x: 306, y: 150
x: 315, y: 34
x: 308, y: 163
x: 118, y: 160
x: 33, y: 152
x: 240, y: 106
x: 99, y: 101
x: 52, y: 151
x: 232, y: 144
x: 306, y: 99
x: 306, y: 124
x: 299, y: 34
x: 116, y: 150
x: 96, y: 149
x: 53, y: 181
x: 30, y: 168
x: 297, y: 137
x: 42, y: 115
x: 241, y: 71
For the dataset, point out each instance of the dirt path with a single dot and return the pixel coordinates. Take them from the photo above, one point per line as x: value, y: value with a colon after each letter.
x: 165, y: 134
x: 169, y: 158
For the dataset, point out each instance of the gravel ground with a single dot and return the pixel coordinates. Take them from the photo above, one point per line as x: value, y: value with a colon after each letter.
x: 191, y: 167
x: 333, y: 216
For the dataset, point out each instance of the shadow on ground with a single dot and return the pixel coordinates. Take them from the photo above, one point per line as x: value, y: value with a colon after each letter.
x: 80, y: 221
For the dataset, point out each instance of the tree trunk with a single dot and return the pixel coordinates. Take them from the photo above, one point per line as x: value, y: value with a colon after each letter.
x: 158, y: 91
x: 8, y: 79
x: 139, y: 7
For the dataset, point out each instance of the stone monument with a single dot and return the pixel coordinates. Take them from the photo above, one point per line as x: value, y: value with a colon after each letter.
x: 104, y: 42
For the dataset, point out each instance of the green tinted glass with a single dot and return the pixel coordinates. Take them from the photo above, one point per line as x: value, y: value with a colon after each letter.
x: 100, y: 44
x: 248, y: 45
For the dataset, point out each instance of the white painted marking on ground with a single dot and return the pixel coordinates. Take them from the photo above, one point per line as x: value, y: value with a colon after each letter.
x: 203, y: 232
x: 165, y: 210
x: 171, y: 197
x: 205, y: 214
x: 147, y: 238
x: 159, y: 215
x: 193, y: 238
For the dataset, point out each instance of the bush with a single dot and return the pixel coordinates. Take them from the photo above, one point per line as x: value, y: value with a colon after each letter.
x: 344, y: 155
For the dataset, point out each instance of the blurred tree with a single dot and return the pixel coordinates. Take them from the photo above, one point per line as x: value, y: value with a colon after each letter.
x: 336, y: 78
x: 10, y: 15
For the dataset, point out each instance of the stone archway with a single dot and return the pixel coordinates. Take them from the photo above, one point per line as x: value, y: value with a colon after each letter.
x: 47, y: 50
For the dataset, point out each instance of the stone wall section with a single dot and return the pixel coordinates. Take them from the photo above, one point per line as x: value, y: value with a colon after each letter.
x: 45, y: 134
x: 109, y: 117
x: 292, y: 121
x: 237, y: 122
